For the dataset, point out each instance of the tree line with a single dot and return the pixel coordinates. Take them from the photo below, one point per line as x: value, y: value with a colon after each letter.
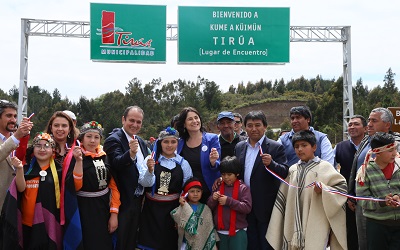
x: 161, y: 101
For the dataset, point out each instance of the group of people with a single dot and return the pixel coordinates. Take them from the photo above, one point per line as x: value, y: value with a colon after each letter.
x: 198, y: 190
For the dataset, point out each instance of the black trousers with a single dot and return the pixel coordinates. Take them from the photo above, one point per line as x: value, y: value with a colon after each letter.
x: 381, y: 236
x: 351, y: 226
x: 256, y: 231
x: 128, y: 224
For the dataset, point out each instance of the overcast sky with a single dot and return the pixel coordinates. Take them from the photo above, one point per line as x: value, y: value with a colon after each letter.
x: 64, y: 63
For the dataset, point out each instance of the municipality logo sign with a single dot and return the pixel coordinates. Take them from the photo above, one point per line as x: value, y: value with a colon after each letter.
x: 114, y: 38
x: 128, y: 33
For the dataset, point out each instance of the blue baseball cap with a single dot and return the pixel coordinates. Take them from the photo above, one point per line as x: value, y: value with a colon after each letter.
x: 225, y: 114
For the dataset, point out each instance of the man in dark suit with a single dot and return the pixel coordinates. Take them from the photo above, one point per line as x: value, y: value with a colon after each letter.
x: 344, y: 155
x: 126, y: 152
x: 263, y: 185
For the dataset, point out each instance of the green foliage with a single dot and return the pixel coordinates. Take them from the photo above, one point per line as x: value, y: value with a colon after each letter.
x: 212, y: 95
x: 389, y: 83
x: 161, y: 101
x: 270, y: 133
x: 4, y: 96
x: 360, y: 104
x: 280, y: 86
x: 13, y: 93
x: 285, y: 125
x: 330, y: 109
x: 110, y: 108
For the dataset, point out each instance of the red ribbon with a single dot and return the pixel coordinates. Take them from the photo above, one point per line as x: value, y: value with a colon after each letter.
x: 65, y: 167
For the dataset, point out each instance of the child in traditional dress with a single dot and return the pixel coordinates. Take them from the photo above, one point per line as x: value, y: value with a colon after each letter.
x: 194, y: 219
x: 306, y: 217
x: 31, y: 213
x: 169, y: 171
x: 380, y: 178
x: 96, y: 191
x: 230, y: 206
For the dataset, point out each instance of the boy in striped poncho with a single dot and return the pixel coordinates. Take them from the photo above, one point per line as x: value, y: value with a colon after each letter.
x: 309, y: 217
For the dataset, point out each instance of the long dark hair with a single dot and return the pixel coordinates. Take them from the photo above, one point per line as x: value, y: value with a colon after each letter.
x: 180, y: 124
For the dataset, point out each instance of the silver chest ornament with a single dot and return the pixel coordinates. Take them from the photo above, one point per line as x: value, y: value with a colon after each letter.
x: 101, y: 173
x: 165, y: 178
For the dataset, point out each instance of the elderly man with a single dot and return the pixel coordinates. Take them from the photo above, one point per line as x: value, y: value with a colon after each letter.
x: 228, y: 138
x: 344, y: 155
x: 126, y: 152
x: 263, y: 185
x: 300, y: 119
x: 379, y: 120
x: 10, y: 138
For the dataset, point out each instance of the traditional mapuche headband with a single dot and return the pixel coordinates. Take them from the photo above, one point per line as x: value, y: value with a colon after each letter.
x: 360, y: 178
x: 91, y: 126
x: 44, y: 136
x: 190, y: 185
x: 168, y: 132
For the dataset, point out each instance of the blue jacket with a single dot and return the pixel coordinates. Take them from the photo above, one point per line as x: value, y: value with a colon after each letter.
x: 324, y: 147
x: 210, y: 173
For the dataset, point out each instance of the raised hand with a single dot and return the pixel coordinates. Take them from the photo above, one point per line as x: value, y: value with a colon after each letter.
x: 214, y: 155
x: 24, y: 128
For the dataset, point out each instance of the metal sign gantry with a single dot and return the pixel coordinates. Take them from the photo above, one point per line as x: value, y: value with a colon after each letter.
x: 78, y: 29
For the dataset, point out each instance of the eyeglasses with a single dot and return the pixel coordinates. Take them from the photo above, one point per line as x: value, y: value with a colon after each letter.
x: 237, y: 122
x: 42, y: 146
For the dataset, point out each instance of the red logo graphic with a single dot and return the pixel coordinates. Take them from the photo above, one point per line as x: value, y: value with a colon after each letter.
x: 110, y: 34
x: 107, y: 27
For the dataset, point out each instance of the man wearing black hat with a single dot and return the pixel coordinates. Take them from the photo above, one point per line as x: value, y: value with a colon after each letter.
x: 300, y: 119
x: 227, y: 137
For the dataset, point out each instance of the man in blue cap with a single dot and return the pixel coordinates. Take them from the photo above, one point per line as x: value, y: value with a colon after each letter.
x: 228, y: 138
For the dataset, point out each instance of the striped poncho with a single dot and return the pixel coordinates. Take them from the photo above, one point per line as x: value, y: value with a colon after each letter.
x: 304, y: 219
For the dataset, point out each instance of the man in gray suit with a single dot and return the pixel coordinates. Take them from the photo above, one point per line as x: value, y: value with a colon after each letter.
x: 9, y: 140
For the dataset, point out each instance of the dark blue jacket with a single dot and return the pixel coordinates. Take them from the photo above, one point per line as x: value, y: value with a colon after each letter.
x: 263, y: 185
x: 124, y: 169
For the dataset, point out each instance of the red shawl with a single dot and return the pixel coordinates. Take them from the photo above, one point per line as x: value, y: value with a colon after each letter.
x: 235, y: 195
